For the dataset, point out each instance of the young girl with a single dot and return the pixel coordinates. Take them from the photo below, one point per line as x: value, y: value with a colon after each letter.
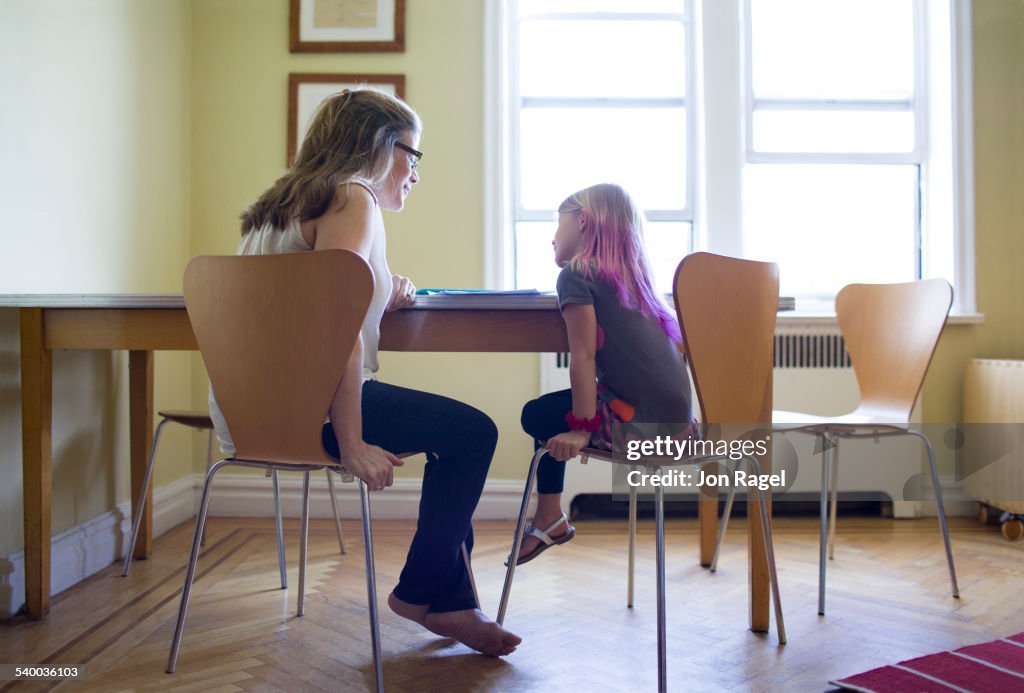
x: 624, y: 362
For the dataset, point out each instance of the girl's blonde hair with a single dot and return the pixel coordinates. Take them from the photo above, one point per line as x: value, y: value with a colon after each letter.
x: 613, y: 245
x: 352, y: 136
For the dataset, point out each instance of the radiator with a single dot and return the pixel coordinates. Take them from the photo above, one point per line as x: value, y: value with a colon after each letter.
x: 993, y: 401
x: 812, y: 374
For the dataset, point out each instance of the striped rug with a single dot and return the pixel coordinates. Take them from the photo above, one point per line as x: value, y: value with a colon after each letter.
x: 991, y: 667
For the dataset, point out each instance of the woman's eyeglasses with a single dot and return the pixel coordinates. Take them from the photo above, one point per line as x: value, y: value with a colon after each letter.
x: 416, y: 155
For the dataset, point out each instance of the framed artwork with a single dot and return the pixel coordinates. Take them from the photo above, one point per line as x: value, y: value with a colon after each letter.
x: 306, y: 91
x: 346, y: 26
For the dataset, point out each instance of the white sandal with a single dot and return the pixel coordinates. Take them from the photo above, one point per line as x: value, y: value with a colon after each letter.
x: 546, y: 541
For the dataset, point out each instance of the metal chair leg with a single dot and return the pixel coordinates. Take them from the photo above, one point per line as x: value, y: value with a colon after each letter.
x: 469, y: 571
x: 303, y: 543
x: 833, y: 510
x: 141, y: 504
x: 371, y: 587
x: 190, y: 572
x: 659, y: 521
x: 726, y: 514
x: 769, y: 550
x: 517, y: 538
x: 209, y: 461
x: 823, y: 541
x: 279, y: 524
x: 942, y: 510
x: 632, y: 541
x: 337, y: 515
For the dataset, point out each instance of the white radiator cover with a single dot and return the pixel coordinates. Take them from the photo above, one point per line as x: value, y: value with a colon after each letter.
x: 994, y: 395
x: 812, y: 375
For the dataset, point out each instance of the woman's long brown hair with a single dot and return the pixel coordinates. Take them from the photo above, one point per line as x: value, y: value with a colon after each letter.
x: 352, y: 137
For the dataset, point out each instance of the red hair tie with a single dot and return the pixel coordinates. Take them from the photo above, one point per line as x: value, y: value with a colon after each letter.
x: 588, y: 425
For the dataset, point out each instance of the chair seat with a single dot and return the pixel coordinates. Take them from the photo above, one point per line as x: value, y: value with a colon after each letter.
x: 859, y: 420
x: 193, y: 419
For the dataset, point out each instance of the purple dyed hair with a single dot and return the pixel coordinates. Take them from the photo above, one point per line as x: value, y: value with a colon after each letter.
x: 613, y: 244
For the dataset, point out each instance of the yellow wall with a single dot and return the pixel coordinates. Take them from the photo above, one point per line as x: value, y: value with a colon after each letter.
x: 999, y: 200
x: 95, y: 198
x: 133, y: 132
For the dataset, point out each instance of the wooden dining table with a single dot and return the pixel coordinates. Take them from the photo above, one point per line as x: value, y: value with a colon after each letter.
x: 142, y: 324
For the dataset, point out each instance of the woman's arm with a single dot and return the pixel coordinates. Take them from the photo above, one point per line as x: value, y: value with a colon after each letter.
x: 349, y: 225
x: 370, y: 463
x: 581, y: 325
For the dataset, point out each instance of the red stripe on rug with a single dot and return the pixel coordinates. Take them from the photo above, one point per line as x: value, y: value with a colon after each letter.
x: 890, y: 680
x: 964, y: 673
x: 1000, y: 653
x: 959, y: 672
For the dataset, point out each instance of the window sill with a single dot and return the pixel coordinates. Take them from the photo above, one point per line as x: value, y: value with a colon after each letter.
x: 796, y: 318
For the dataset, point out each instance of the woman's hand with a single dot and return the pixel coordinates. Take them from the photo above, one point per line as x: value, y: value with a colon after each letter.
x: 567, y: 445
x: 403, y: 292
x: 372, y: 464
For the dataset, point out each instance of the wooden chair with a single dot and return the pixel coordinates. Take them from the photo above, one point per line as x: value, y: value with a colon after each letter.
x: 726, y: 310
x: 891, y: 331
x: 275, y: 333
x: 200, y: 420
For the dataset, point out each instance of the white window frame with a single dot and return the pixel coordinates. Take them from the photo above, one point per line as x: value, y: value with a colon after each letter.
x: 916, y: 104
x: 718, y: 146
x: 502, y: 164
x: 685, y: 214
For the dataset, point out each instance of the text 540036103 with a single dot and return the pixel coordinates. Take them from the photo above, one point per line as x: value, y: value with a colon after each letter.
x: 40, y: 672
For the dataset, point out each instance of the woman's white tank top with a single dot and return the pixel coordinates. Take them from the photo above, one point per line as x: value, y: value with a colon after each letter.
x: 268, y: 240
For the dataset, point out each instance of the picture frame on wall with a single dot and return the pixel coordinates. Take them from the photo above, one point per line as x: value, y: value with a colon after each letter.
x: 307, y: 91
x: 346, y: 26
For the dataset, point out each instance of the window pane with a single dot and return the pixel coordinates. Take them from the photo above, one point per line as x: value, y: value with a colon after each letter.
x: 833, y: 131
x: 644, y: 6
x: 572, y: 59
x: 667, y: 243
x: 565, y: 149
x: 832, y: 48
x: 831, y: 225
x: 535, y: 258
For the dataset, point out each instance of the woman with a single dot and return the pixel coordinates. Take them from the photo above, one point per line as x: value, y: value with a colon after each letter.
x: 359, y: 157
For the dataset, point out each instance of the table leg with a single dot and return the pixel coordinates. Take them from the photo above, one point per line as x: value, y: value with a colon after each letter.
x: 37, y: 459
x: 707, y: 512
x: 140, y: 424
x: 760, y: 592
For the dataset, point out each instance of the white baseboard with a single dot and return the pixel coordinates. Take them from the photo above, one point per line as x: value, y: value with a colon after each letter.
x: 81, y: 551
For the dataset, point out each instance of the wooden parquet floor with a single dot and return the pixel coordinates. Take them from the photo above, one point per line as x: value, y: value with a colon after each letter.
x: 888, y: 599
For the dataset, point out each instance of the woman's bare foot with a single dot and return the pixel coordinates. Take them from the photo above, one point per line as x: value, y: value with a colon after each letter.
x: 474, y: 630
x: 530, y: 543
x: 413, y: 612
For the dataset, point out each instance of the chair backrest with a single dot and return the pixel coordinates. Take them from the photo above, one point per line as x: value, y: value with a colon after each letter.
x: 275, y: 333
x: 891, y: 331
x: 727, y: 309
